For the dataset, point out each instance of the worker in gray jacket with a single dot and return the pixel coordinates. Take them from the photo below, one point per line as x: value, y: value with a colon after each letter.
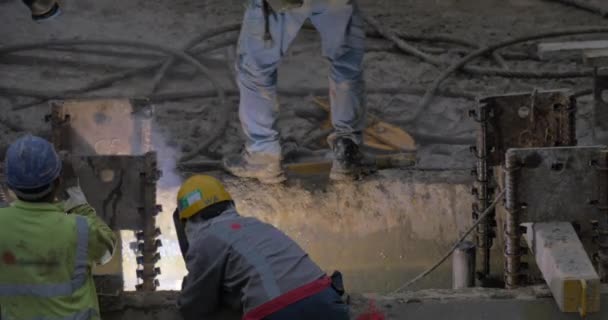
x: 244, y: 264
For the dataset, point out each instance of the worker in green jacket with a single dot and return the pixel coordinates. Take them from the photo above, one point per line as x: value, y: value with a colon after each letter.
x: 47, y: 249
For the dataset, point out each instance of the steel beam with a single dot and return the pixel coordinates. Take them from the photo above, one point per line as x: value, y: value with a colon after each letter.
x: 565, y: 266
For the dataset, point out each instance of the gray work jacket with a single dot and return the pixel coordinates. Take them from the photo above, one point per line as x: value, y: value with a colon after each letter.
x: 240, y: 262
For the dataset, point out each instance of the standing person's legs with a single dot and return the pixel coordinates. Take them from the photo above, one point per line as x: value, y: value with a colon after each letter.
x: 265, y: 36
x: 343, y: 40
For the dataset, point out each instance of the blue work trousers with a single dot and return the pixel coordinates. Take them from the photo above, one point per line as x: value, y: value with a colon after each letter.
x: 325, y: 305
x: 341, y: 28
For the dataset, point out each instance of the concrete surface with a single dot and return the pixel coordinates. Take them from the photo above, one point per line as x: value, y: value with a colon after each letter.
x: 532, y: 303
x: 379, y: 232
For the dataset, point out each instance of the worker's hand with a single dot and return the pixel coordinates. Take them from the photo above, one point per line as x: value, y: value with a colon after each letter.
x: 72, y: 191
x: 75, y: 198
x: 70, y: 179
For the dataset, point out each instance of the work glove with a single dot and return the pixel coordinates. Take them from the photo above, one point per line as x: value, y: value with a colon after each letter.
x: 72, y: 191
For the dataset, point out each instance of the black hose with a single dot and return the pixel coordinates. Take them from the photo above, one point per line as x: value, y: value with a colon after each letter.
x: 160, y: 74
x: 184, y: 95
x: 476, y: 70
x: 462, y: 238
x: 585, y: 5
x: 498, y: 58
x: 214, y: 133
x: 104, y: 82
x: 426, y: 100
x: 406, y: 47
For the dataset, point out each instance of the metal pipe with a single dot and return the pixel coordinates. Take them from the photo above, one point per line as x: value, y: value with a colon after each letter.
x: 512, y: 228
x: 463, y: 266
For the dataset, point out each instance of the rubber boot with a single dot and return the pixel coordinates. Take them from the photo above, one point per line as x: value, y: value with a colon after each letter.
x: 264, y: 167
x: 349, y: 162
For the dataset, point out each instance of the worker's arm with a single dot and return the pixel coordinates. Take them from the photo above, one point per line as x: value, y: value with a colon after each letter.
x: 102, y: 240
x: 202, y: 287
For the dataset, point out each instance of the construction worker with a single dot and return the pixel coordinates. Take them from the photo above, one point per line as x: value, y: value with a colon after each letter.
x: 47, y: 248
x: 269, y: 27
x: 242, y: 263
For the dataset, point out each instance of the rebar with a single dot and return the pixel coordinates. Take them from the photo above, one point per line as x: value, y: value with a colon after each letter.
x: 513, y: 232
x: 484, y: 239
x: 149, y: 243
x: 601, y: 227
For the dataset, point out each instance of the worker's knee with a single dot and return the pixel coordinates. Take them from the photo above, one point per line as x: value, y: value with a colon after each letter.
x: 256, y: 77
x: 347, y: 68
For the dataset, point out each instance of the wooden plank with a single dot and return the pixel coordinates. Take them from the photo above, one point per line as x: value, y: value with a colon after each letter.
x: 314, y: 165
x: 548, y: 50
x: 596, y: 58
x: 565, y: 265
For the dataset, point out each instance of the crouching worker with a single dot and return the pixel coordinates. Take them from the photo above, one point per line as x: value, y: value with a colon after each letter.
x: 244, y: 264
x: 47, y: 248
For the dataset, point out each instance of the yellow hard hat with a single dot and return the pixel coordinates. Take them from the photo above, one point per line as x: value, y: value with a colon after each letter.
x: 200, y: 192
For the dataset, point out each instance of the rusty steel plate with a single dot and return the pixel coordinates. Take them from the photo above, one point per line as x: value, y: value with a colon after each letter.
x: 530, y: 120
x: 116, y: 187
x: 559, y: 184
x: 102, y: 127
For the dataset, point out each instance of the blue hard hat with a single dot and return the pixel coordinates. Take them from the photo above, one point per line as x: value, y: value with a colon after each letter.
x: 31, y: 163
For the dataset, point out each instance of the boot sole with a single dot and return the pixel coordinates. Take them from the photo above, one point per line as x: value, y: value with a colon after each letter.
x: 273, y: 180
x: 264, y: 179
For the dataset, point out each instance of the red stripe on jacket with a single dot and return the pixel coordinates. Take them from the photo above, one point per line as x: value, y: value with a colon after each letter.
x: 287, y: 299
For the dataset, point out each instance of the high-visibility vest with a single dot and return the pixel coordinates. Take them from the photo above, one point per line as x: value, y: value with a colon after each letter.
x: 45, y: 269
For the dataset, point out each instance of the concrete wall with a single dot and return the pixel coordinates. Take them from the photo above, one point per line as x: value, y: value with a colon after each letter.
x: 379, y: 232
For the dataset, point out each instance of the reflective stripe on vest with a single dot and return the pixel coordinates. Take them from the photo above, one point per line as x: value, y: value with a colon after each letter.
x: 67, y: 288
x: 80, y: 315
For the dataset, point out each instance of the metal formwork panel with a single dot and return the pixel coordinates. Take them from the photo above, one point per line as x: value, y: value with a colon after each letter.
x: 558, y: 184
x: 528, y: 120
x: 102, y: 127
x: 111, y: 141
x: 552, y: 184
x: 536, y: 119
x: 115, y: 187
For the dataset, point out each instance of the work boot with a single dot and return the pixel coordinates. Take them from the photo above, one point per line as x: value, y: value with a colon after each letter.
x: 264, y: 167
x: 349, y: 162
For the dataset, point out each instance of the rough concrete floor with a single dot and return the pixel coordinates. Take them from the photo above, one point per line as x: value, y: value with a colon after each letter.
x: 532, y: 303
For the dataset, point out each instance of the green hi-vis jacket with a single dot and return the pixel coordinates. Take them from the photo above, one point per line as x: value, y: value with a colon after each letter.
x: 46, y: 258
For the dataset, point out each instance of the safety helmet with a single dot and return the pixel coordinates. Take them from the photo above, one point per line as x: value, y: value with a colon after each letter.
x: 31, y: 166
x: 198, y: 193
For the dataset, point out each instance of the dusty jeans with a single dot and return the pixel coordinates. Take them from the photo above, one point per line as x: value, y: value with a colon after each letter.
x: 342, y: 35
